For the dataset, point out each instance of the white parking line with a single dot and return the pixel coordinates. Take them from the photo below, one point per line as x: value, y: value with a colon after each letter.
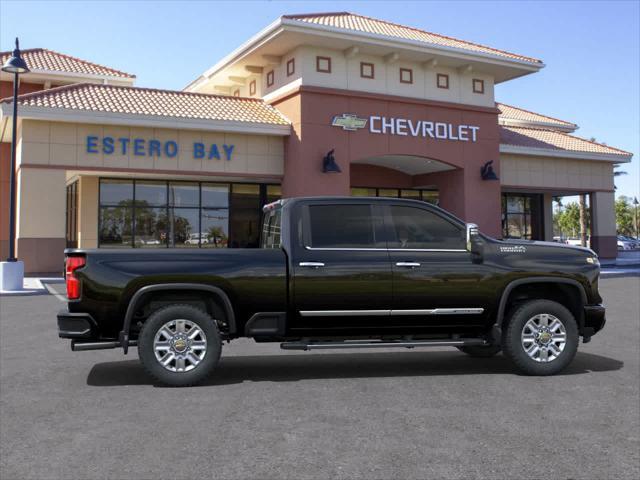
x: 50, y: 289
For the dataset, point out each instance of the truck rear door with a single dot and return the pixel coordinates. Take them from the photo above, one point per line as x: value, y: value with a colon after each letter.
x: 342, y: 273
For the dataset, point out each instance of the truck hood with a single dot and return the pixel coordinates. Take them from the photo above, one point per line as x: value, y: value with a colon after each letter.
x: 538, y: 243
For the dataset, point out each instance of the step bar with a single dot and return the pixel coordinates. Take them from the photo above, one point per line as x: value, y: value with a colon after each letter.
x: 81, y: 346
x: 307, y: 345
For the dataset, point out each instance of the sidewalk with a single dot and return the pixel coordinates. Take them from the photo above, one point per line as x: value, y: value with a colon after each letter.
x: 627, y: 263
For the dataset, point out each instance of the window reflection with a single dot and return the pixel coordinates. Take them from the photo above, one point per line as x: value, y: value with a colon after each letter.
x: 181, y: 214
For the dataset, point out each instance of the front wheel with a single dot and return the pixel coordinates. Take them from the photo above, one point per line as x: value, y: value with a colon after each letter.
x: 179, y: 345
x: 541, y: 337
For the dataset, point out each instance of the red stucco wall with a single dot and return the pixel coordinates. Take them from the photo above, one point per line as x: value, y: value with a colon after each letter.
x: 462, y: 191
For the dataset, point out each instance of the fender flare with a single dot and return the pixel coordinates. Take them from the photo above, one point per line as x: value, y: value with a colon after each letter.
x: 131, y: 307
x: 523, y: 281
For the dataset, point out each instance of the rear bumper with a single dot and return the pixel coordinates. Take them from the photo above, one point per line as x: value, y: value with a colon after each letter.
x: 75, y: 325
x: 594, y: 320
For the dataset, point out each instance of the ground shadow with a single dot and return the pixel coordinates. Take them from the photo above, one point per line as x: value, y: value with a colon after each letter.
x: 291, y: 368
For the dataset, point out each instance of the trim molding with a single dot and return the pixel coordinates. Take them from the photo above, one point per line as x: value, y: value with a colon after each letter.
x: 571, y: 154
x: 198, y: 173
x: 379, y: 96
x: 155, y: 121
x: 387, y: 313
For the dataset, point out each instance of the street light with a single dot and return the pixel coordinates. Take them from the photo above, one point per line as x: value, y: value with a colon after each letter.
x: 13, y: 271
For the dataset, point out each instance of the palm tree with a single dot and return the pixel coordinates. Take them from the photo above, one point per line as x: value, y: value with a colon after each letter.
x: 583, y: 219
x: 617, y: 173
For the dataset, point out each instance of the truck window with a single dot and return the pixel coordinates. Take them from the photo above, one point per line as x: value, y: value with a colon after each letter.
x: 271, y: 232
x: 420, y: 229
x: 341, y: 226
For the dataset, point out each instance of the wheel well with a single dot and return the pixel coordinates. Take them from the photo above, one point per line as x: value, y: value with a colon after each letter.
x: 563, y: 293
x: 205, y: 301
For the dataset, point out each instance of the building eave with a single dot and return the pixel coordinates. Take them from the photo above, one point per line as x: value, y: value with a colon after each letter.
x: 429, y: 48
x: 570, y: 154
x: 42, y: 75
x: 284, y: 24
x: 135, y: 120
x: 511, y: 122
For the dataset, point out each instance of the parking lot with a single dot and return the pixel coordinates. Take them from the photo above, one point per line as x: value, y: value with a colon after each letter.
x: 275, y: 414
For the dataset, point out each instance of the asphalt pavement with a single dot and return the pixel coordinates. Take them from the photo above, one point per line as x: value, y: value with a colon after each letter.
x: 268, y: 413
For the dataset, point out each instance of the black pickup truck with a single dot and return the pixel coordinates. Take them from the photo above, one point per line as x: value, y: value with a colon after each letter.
x: 338, y: 273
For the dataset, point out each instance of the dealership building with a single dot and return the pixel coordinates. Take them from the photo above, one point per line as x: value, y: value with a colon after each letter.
x: 317, y: 104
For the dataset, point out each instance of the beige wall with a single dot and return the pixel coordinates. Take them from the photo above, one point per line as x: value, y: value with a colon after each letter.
x: 345, y: 74
x: 555, y: 173
x: 602, y: 209
x: 41, y: 203
x: 88, y: 212
x: 64, y: 144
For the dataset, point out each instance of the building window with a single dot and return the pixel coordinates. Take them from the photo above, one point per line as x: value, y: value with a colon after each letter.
x: 323, y: 64
x: 252, y: 88
x: 443, y: 80
x: 181, y: 214
x: 430, y: 196
x: 406, y: 75
x: 521, y: 216
x: 270, y: 78
x: 236, y: 92
x: 478, y: 86
x: 72, y: 215
x: 291, y: 67
x: 367, y: 70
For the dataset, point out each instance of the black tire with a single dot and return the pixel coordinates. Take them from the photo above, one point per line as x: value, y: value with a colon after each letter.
x: 512, y: 342
x: 148, y: 356
x: 481, y: 352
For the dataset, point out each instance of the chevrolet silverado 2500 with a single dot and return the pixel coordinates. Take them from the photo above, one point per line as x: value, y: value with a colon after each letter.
x: 338, y: 273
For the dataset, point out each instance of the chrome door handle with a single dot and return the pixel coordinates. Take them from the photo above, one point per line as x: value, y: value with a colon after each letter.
x: 408, y: 264
x: 311, y: 264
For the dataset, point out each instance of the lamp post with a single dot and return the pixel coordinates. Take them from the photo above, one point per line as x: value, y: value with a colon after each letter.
x: 12, y: 270
x: 635, y: 214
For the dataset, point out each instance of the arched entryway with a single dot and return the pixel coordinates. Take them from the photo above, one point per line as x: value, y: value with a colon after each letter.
x: 409, y: 176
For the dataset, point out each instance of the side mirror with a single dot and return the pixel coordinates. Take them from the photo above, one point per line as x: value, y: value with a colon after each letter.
x: 474, y: 242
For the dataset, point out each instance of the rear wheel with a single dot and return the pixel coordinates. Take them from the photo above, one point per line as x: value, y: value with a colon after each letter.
x: 179, y: 345
x: 481, y: 352
x: 541, y: 337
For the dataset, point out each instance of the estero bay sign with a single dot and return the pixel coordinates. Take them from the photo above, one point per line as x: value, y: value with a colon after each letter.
x: 160, y: 148
x: 408, y: 127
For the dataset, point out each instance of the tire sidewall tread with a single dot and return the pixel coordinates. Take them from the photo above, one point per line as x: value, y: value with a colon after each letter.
x: 512, y: 345
x: 147, y: 355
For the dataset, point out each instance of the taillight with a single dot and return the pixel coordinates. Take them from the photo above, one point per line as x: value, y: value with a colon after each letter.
x: 73, y: 284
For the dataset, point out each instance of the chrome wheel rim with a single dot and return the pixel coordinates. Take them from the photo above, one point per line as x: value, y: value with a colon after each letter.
x: 544, y: 338
x: 180, y: 345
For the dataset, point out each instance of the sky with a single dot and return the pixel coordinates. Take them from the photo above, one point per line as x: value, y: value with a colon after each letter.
x: 591, y: 49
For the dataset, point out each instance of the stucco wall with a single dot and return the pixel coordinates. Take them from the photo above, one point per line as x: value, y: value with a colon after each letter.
x: 555, y: 173
x: 345, y: 74
x: 88, y: 212
x: 65, y: 145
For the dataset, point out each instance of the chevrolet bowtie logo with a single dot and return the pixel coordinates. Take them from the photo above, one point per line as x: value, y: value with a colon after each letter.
x: 349, y: 122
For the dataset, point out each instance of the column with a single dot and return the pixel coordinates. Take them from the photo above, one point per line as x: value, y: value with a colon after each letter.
x: 88, y: 212
x: 547, y: 217
x: 603, y: 224
x: 40, y: 222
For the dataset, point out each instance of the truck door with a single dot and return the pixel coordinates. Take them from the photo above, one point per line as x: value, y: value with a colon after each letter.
x: 435, y: 282
x: 341, y: 268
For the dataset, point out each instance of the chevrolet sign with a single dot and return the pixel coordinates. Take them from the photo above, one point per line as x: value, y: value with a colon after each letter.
x: 349, y: 122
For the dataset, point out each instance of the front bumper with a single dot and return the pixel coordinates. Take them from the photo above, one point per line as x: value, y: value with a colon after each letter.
x: 76, y: 325
x: 594, y: 320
